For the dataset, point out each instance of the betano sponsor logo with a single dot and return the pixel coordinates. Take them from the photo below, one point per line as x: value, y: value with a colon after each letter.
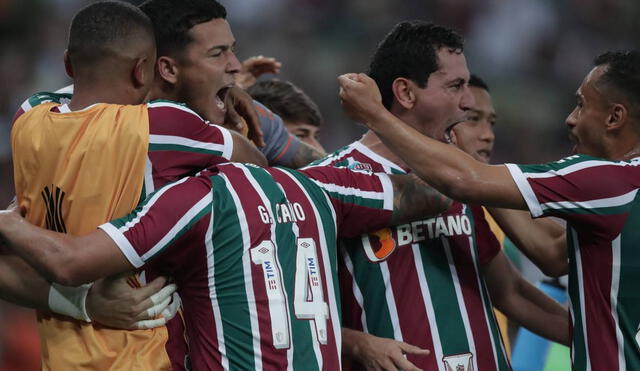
x: 380, y: 244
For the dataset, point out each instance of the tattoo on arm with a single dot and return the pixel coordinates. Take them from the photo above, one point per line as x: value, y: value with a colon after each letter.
x: 304, y: 156
x: 414, y: 199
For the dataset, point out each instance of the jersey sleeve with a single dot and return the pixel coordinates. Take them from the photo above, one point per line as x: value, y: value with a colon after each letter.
x: 363, y: 200
x: 486, y: 242
x: 577, y: 185
x: 166, y: 216
x: 181, y: 143
x: 39, y: 98
x: 280, y: 146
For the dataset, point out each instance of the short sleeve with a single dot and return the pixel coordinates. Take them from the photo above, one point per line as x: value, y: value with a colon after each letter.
x: 577, y: 185
x: 363, y: 200
x: 159, y: 221
x: 181, y: 143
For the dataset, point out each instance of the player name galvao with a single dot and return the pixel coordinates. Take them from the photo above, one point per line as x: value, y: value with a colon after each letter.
x: 284, y: 213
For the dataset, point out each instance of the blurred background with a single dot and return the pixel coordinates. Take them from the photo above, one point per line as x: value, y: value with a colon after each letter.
x: 533, y: 55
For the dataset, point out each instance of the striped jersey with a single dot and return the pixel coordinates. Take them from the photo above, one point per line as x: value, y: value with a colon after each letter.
x: 429, y: 292
x: 254, y: 254
x: 599, y: 200
x: 93, y: 145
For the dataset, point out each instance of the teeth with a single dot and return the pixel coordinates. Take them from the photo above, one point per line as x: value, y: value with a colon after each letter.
x: 220, y: 103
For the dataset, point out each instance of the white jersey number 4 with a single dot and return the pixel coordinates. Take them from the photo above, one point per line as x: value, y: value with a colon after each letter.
x: 308, y: 300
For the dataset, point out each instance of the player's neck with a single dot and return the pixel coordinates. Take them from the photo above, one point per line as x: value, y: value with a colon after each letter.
x: 85, y: 96
x: 373, y: 142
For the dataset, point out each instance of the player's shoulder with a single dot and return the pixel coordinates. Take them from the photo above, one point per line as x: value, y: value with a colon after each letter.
x: 44, y: 97
x: 169, y: 106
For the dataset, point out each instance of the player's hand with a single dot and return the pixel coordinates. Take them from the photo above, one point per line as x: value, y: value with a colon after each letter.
x: 114, y: 303
x: 360, y: 97
x: 376, y: 353
x: 255, y: 67
x: 242, y: 116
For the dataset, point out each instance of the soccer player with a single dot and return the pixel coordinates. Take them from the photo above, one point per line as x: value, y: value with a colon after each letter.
x: 253, y: 252
x: 427, y: 284
x: 593, y: 190
x: 300, y: 114
x: 71, y: 177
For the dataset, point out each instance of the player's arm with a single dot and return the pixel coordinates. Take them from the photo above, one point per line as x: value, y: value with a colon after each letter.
x: 304, y: 155
x: 62, y: 258
x: 376, y: 353
x: 245, y: 151
x: 543, y: 240
x: 448, y: 169
x: 522, y: 302
x: 413, y: 199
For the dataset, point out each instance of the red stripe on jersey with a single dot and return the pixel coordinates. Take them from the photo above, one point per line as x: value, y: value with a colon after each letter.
x: 17, y: 115
x: 171, y: 165
x: 601, y: 330
x: 351, y: 310
x: 258, y: 232
x: 310, y: 229
x: 587, y: 184
x: 487, y: 243
x: 412, y: 318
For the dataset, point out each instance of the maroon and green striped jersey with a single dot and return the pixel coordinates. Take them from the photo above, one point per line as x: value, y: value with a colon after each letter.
x: 599, y: 200
x: 254, y: 254
x: 429, y: 291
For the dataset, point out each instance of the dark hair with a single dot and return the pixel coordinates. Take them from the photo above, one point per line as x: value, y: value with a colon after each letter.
x: 99, y: 29
x: 286, y: 100
x: 477, y: 82
x: 172, y: 20
x: 409, y: 51
x: 622, y: 74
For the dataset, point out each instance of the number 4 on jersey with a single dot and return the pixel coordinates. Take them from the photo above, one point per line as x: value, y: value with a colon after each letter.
x: 308, y: 301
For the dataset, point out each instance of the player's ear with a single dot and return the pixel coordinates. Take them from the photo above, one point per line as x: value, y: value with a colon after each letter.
x: 403, y: 92
x: 67, y: 64
x: 618, y: 115
x: 140, y: 72
x: 168, y: 69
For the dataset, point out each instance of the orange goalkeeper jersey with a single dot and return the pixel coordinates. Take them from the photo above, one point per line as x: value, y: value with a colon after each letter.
x: 74, y: 171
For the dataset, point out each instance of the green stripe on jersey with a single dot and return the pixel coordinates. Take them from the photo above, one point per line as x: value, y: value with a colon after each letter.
x: 557, y: 165
x: 44, y: 97
x: 612, y: 210
x: 578, y: 341
x: 628, y: 296
x: 371, y: 203
x: 497, y: 345
x: 229, y: 277
x: 442, y: 292
x: 286, y: 244
x: 370, y: 281
x: 182, y: 148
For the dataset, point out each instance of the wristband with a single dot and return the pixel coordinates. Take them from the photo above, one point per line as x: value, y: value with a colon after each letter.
x: 70, y: 301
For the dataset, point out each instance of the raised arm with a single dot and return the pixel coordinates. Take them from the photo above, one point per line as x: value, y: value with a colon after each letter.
x: 446, y: 168
x: 542, y: 240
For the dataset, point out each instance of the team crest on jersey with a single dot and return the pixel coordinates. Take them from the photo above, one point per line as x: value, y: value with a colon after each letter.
x: 379, y: 244
x: 458, y: 362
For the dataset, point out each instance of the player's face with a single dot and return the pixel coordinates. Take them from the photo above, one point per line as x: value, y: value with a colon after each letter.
x: 207, y: 67
x: 587, y: 121
x: 306, y: 132
x: 444, y: 100
x: 475, y: 135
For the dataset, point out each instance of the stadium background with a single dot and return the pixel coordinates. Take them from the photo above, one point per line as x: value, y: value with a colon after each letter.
x: 533, y: 54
